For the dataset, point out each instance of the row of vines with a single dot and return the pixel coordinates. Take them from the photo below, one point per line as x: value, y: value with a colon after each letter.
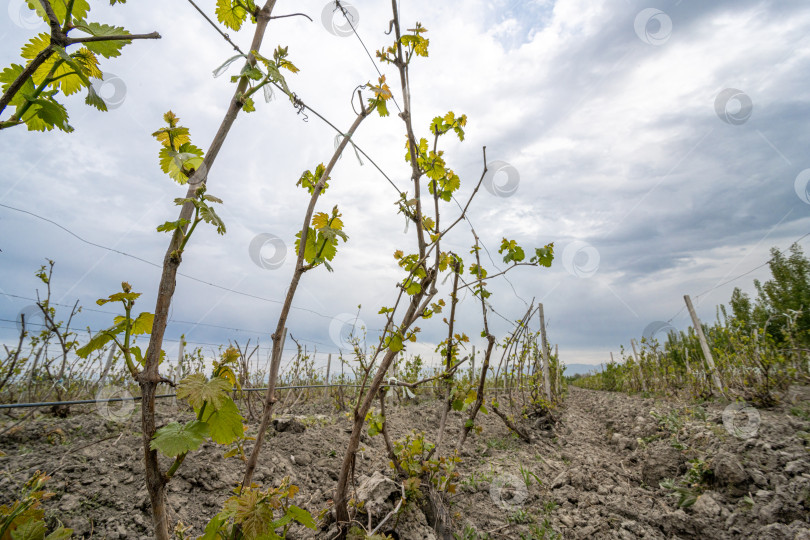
x: 527, y: 374
x: 758, y: 347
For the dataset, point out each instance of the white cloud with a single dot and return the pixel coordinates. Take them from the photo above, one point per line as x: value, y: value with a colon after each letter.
x: 616, y: 141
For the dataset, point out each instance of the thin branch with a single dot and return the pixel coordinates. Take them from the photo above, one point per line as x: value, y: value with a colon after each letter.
x: 26, y: 74
x: 519, y: 432
x: 292, y: 15
x: 387, y: 439
x: 441, y: 375
x: 125, y: 37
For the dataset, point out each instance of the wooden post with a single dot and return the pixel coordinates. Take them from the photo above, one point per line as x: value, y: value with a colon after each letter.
x: 638, y: 363
x: 328, y: 369
x: 179, y: 358
x: 280, y: 353
x: 546, y: 376
x: 707, y: 353
x: 109, y: 363
x: 559, y: 370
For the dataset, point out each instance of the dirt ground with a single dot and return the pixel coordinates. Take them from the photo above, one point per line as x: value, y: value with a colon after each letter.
x: 595, y: 475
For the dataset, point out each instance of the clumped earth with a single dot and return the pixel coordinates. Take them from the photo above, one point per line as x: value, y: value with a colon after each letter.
x: 596, y: 473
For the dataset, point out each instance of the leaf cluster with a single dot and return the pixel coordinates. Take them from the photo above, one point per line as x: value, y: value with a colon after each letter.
x: 256, y: 514
x: 413, y: 44
x: 217, y: 415
x: 255, y: 79
x: 24, y: 518
x: 412, y: 453
x: 321, y: 243
x: 62, y: 71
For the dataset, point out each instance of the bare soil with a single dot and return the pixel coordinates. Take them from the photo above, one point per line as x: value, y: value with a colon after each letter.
x: 596, y: 474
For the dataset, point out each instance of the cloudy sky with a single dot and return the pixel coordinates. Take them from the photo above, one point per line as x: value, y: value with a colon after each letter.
x: 661, y: 145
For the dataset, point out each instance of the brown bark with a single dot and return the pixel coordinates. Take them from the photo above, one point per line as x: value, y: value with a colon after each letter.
x: 512, y: 426
x: 300, y: 268
x: 59, y: 38
x: 150, y: 376
x: 479, y: 400
x: 341, y: 494
x: 448, y: 396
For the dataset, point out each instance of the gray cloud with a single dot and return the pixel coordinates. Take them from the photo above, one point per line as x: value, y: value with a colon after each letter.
x: 617, y: 143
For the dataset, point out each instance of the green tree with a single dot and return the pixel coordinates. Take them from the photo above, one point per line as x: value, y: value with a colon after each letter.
x: 741, y: 309
x: 783, y: 302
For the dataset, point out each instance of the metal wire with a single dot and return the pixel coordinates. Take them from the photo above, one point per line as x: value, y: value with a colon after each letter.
x: 163, y: 396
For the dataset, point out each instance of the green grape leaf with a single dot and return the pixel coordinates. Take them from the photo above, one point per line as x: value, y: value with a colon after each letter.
x: 118, y: 297
x: 197, y: 389
x: 231, y: 14
x: 173, y: 162
x: 30, y: 530
x: 210, y: 216
x: 60, y: 533
x: 8, y: 76
x: 143, y: 324
x: 107, y: 49
x: 172, y: 225
x: 212, y: 529
x: 412, y: 287
x: 225, y: 423
x: 35, y: 45
x: 248, y: 105
x: 93, y: 99
x: 80, y: 9
x: 136, y: 352
x: 172, y: 134
x: 301, y: 516
x: 308, y: 180
x: 45, y: 114
x: 175, y: 439
x: 375, y: 423
x: 71, y: 72
x: 253, y: 515
x: 309, y: 247
x: 514, y: 253
x: 544, y: 256
x: 101, y: 339
x: 395, y: 343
